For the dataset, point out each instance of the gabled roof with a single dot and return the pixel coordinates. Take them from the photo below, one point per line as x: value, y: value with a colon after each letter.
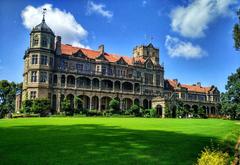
x: 70, y: 50
x: 193, y: 88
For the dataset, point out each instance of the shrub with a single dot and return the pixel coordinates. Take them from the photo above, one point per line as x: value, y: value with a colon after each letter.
x: 26, y: 106
x: 150, y: 113
x: 94, y: 112
x: 41, y: 106
x: 114, y: 105
x: 66, y: 107
x: 153, y: 112
x: 213, y: 157
x: 135, y: 110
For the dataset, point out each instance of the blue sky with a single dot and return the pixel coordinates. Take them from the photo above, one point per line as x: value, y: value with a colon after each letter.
x: 194, y: 36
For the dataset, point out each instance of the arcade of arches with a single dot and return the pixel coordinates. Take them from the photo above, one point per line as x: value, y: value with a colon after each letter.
x: 98, y: 102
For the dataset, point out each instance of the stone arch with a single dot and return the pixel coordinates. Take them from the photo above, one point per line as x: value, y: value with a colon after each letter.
x: 107, y: 84
x: 95, y: 83
x: 137, y: 101
x: 83, y: 82
x: 127, y: 87
x: 105, y: 102
x: 95, y: 102
x: 71, y: 98
x: 70, y: 81
x: 195, y: 110
x: 84, y: 102
x: 187, y: 109
x: 159, y: 110
x: 213, y: 111
x: 54, y: 104
x: 145, y: 104
x: 127, y: 103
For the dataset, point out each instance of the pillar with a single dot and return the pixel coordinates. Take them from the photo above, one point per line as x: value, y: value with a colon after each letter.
x: 90, y: 101
x: 58, y: 102
x: 99, y: 104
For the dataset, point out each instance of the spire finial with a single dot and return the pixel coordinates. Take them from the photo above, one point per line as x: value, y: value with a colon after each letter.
x: 43, y: 13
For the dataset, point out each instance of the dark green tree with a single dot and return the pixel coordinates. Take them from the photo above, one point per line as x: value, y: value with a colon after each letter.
x: 78, y: 102
x: 7, y: 96
x: 41, y: 106
x: 135, y: 110
x: 66, y: 107
x: 231, y: 98
x: 27, y: 106
x: 114, y: 105
x: 236, y: 33
x: 201, y: 112
x: 180, y: 111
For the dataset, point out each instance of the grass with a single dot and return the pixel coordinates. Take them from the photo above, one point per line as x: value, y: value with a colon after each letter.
x: 111, y: 140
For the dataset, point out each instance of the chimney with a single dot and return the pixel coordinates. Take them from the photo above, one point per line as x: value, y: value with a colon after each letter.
x: 101, y: 49
x: 58, y: 45
x: 198, y: 84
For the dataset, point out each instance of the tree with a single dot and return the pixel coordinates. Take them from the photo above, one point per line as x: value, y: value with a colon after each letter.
x: 135, y: 110
x: 66, y: 107
x: 231, y: 98
x: 41, y: 106
x: 201, y: 112
x: 27, y: 106
x: 7, y: 96
x: 78, y: 102
x: 114, y: 105
x: 180, y: 108
x: 236, y: 32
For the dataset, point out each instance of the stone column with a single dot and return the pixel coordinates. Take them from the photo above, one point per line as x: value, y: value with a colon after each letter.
x: 58, y: 102
x: 99, y: 104
x: 90, y: 101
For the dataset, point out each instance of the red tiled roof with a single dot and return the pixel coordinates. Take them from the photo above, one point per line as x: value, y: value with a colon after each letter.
x: 192, y: 88
x: 196, y: 88
x: 93, y: 54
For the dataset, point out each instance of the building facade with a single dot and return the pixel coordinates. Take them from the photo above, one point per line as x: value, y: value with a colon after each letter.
x: 54, y: 70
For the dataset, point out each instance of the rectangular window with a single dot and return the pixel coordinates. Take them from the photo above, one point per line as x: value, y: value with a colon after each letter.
x: 98, y: 68
x: 33, y: 94
x: 43, y: 77
x: 34, y: 59
x: 44, y: 60
x: 51, y: 61
x: 110, y: 71
x: 79, y: 67
x: 44, y: 41
x: 103, y: 70
x: 34, y: 76
x: 50, y: 78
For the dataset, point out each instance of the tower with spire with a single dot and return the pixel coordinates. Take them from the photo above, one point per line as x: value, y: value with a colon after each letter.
x: 39, y: 61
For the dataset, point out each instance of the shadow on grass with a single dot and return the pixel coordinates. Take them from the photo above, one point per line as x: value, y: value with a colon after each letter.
x: 97, y: 144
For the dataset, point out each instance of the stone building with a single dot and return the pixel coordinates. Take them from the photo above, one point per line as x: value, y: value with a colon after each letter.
x: 54, y: 70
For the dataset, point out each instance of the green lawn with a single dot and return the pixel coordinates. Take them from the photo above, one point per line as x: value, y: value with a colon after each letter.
x: 111, y: 140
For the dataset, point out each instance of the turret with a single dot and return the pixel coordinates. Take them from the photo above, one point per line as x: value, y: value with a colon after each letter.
x: 145, y: 52
x: 42, y: 36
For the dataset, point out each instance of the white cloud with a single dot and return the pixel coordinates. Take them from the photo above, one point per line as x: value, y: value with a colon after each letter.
x: 61, y: 22
x: 192, y: 20
x: 98, y: 9
x: 144, y: 3
x: 178, y: 48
